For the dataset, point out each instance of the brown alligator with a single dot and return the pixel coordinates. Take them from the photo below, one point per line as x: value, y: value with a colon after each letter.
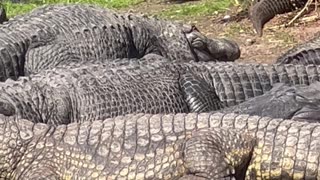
x: 145, y: 146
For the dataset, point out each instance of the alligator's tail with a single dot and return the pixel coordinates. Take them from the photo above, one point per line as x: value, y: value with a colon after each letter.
x: 304, y: 57
x: 264, y: 10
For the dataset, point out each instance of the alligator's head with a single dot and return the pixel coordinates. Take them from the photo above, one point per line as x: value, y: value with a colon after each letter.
x: 206, y: 49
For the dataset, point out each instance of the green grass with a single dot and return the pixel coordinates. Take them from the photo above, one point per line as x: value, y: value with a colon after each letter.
x: 13, y: 9
x: 205, y: 7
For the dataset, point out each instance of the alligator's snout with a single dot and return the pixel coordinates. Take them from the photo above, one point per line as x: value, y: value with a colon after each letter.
x: 224, y: 49
x: 218, y: 49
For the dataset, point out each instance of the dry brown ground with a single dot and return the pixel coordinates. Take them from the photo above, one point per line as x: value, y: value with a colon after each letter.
x: 275, y: 41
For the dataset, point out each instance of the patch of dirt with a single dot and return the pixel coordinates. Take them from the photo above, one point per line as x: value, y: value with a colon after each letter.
x: 275, y: 41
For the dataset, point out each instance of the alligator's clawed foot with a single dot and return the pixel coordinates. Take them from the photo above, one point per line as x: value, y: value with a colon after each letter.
x: 217, y: 153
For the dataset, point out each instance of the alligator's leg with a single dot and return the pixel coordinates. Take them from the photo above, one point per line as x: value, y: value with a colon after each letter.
x: 198, y: 93
x: 218, y: 153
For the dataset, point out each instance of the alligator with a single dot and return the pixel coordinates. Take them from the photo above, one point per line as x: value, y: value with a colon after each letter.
x: 304, y: 53
x: 100, y: 90
x: 283, y: 101
x: 52, y: 34
x: 262, y: 11
x: 161, y: 146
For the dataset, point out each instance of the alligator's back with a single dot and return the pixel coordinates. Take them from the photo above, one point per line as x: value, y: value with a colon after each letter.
x: 86, y: 31
x: 161, y: 146
x: 39, y: 25
x: 283, y: 101
x: 98, y: 91
x: 305, y: 53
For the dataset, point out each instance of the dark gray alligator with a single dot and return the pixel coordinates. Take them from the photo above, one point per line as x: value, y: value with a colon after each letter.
x: 263, y: 11
x: 52, y: 34
x: 304, y: 53
x: 100, y: 90
x: 145, y: 146
x: 283, y: 101
x: 97, y: 90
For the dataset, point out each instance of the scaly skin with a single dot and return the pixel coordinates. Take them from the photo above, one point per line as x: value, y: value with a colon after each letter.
x: 283, y: 101
x: 97, y: 90
x: 52, y: 34
x: 101, y: 90
x: 304, y: 53
x: 145, y: 146
x: 263, y: 11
